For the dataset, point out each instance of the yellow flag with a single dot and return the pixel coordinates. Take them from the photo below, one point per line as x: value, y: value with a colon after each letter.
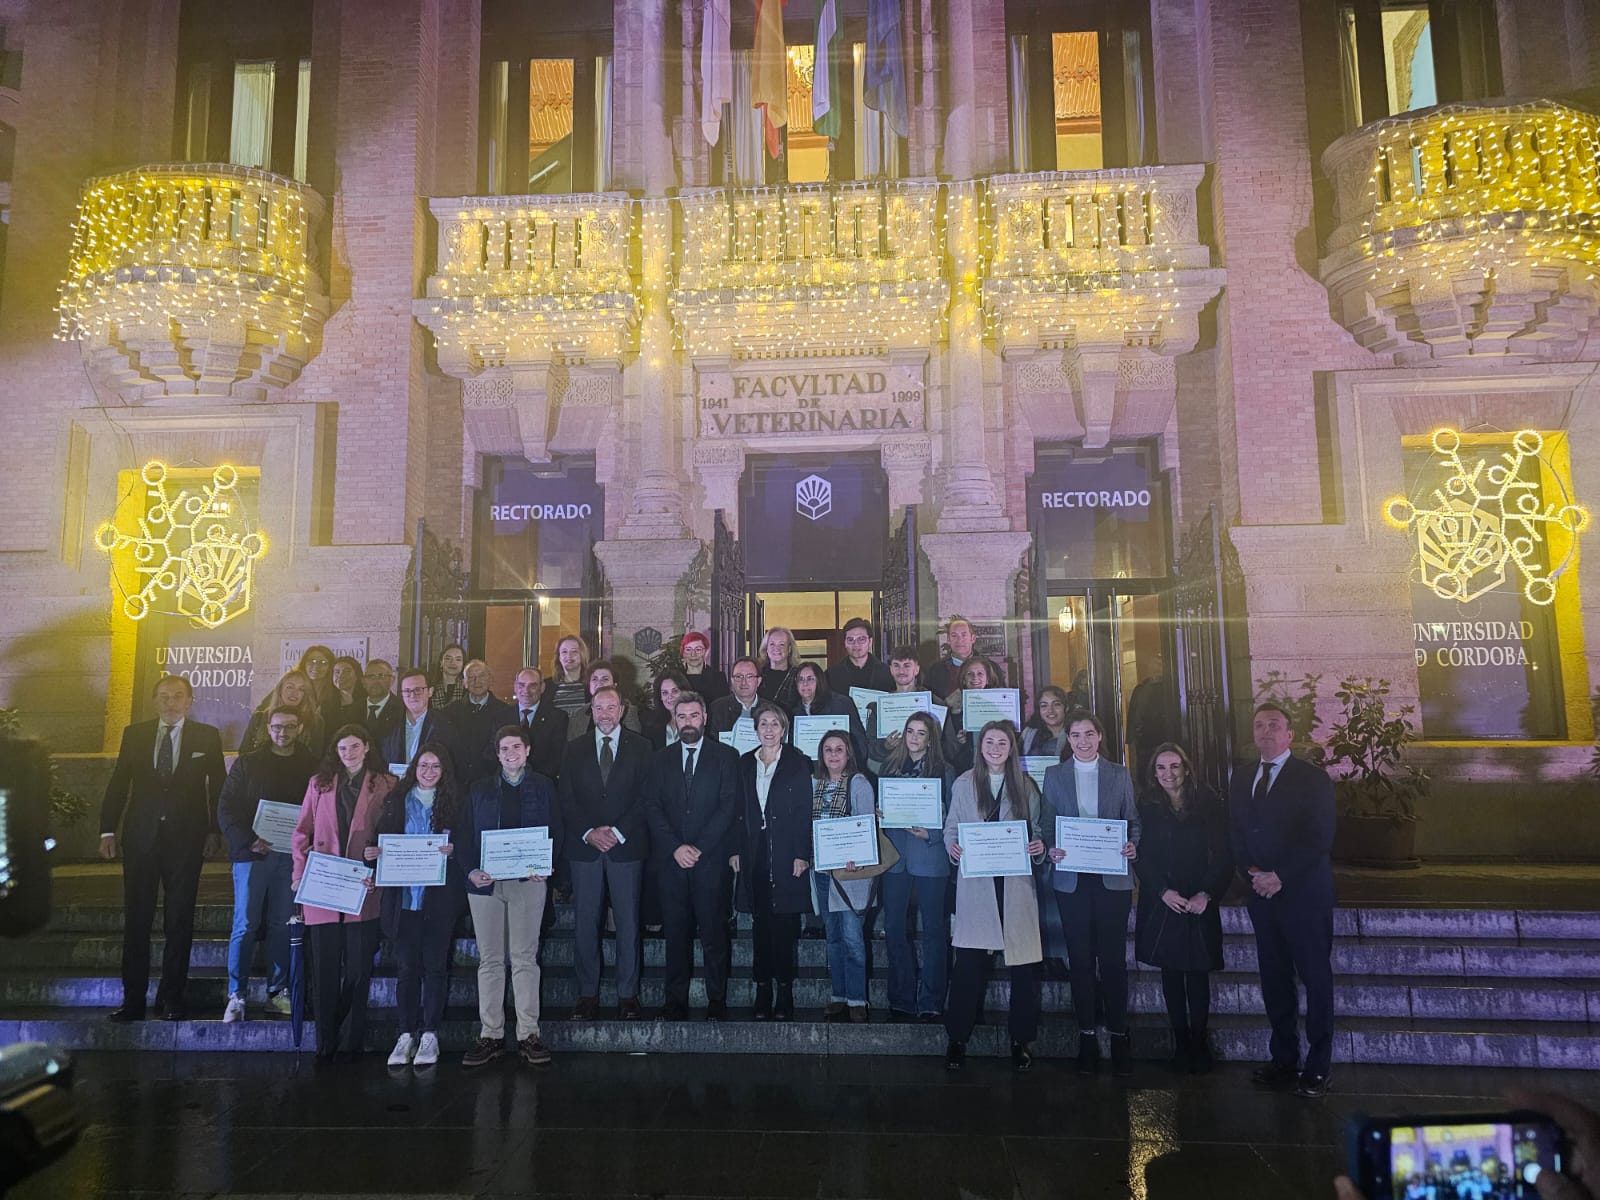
x: 769, y: 76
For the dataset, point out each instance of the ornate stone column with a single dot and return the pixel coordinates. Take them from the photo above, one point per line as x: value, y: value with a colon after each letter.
x: 975, y: 573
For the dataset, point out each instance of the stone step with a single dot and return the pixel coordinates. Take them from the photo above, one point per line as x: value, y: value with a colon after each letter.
x: 1244, y: 1039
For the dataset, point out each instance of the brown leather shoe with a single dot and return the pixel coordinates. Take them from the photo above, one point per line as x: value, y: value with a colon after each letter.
x: 858, y: 1014
x: 587, y: 1009
x: 630, y: 1010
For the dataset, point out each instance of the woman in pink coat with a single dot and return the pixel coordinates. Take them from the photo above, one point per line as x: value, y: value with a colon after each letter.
x: 340, y: 817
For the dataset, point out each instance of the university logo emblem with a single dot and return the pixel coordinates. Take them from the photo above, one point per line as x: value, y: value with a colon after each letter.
x: 813, y: 497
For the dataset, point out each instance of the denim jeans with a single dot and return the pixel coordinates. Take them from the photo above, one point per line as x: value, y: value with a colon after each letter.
x: 847, y: 946
x: 909, y: 992
x: 263, y: 897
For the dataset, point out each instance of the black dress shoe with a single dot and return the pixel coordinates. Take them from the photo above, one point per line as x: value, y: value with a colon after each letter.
x: 928, y: 1018
x: 175, y: 1012
x: 1199, y: 1053
x: 717, y: 1010
x: 675, y: 1012
x: 629, y: 1010
x: 783, y: 1007
x: 1121, y: 1055
x: 1021, y: 1056
x: 125, y: 1015
x: 586, y: 1009
x: 836, y: 1013
x: 763, y: 1005
x: 899, y: 1016
x: 1274, y: 1075
x: 1088, y: 1054
x: 1311, y: 1087
x: 955, y: 1056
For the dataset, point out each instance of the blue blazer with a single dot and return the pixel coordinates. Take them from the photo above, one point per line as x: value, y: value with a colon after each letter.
x: 1114, y: 801
x: 539, y: 807
x: 1290, y: 832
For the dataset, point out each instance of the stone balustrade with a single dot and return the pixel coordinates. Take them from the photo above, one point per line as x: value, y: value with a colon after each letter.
x: 194, y: 279
x: 1467, y: 229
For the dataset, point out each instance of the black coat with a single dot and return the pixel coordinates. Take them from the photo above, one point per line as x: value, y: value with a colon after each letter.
x: 710, y: 685
x: 137, y: 799
x: 436, y: 727
x: 724, y: 712
x: 836, y: 705
x: 704, y: 819
x: 787, y: 835
x: 1290, y: 832
x: 257, y: 776
x: 777, y: 685
x: 1189, y: 854
x: 587, y: 803
x: 380, y: 727
x: 475, y: 728
x: 874, y: 673
x: 548, y: 735
x: 448, y: 899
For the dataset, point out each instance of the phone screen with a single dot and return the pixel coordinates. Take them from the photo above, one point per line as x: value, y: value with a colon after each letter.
x: 1473, y: 1160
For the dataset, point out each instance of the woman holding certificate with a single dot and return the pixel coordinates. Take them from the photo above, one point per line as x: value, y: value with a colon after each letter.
x: 1185, y: 864
x: 338, y: 822
x: 420, y: 918
x: 977, y: 674
x: 813, y: 698
x: 913, y: 793
x: 992, y: 828
x: 1093, y: 827
x: 774, y: 858
x: 840, y: 790
x: 1046, y: 735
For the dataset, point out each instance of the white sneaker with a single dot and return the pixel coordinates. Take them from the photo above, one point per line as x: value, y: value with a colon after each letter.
x: 403, y: 1049
x: 427, y: 1051
x: 234, y: 1011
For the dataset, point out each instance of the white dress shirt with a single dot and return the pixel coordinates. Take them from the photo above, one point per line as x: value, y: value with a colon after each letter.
x: 173, y: 731
x: 1276, y: 765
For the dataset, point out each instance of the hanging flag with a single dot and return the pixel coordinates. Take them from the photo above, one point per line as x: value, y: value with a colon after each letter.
x: 769, y: 77
x: 884, y: 73
x: 827, y: 101
x: 716, y: 68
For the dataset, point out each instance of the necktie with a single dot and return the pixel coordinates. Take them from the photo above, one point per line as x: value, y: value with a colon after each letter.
x: 606, y: 758
x: 1263, y: 783
x: 164, y: 753
x: 688, y: 771
x: 372, y: 711
x: 526, y: 714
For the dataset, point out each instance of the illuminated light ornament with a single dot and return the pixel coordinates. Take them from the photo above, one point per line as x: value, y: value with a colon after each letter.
x: 194, y: 552
x: 1486, y: 525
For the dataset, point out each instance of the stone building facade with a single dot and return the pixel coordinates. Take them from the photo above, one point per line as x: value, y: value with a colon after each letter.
x: 1135, y: 346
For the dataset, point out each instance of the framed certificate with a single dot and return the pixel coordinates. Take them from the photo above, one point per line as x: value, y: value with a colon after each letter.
x: 411, y: 859
x: 742, y: 737
x: 1036, y: 765
x: 910, y: 803
x: 1093, y: 846
x: 993, y: 848
x: 979, y: 706
x: 837, y: 842
x: 516, y: 853
x: 895, y: 707
x: 337, y: 884
x: 275, y: 823
x: 807, y: 732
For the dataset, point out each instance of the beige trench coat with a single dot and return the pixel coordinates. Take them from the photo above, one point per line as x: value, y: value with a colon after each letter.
x: 978, y: 926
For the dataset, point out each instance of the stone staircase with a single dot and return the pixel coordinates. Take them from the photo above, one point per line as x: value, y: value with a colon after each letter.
x: 1460, y: 987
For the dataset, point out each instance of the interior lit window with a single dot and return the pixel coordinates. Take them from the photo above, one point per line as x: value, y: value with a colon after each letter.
x: 1075, y: 58
x: 807, y: 150
x: 550, y: 83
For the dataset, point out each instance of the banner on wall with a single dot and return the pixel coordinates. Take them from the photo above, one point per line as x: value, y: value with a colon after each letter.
x: 815, y: 522
x: 218, y: 663
x: 1099, y: 517
x: 540, y: 528
x: 290, y: 650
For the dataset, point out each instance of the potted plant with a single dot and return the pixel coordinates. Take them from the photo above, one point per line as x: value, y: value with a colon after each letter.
x: 1376, y: 788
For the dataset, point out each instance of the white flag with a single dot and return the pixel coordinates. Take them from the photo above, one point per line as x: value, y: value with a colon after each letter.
x: 716, y: 68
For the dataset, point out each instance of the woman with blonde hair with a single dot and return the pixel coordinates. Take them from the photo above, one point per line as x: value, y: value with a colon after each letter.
x: 781, y: 659
x: 295, y: 690
x: 570, y: 675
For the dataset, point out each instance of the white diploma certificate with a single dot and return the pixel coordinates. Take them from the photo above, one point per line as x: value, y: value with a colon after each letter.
x: 275, y: 823
x: 838, y: 841
x: 993, y: 848
x: 1093, y: 846
x: 895, y: 707
x: 940, y: 713
x: 411, y: 859
x: 809, y: 731
x: 333, y: 883
x: 517, y: 853
x: 910, y: 803
x: 1036, y: 765
x: 979, y: 706
x: 742, y: 737
x: 865, y: 698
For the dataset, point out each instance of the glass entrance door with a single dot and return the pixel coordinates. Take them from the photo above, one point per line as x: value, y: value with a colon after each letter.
x: 1107, y: 648
x: 815, y: 619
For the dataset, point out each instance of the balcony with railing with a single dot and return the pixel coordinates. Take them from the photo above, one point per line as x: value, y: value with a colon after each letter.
x: 194, y: 280
x: 531, y: 279
x: 1467, y: 230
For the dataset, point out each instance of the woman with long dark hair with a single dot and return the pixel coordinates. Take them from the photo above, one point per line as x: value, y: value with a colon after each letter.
x: 317, y: 663
x: 839, y: 789
x: 450, y: 688
x: 656, y: 722
x: 339, y: 816
x: 994, y: 914
x: 814, y: 698
x: 960, y: 749
x: 1185, y: 865
x: 1045, y: 735
x: 419, y: 921
x: 923, y: 871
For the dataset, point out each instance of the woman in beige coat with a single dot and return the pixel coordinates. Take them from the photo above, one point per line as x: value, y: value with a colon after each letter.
x: 999, y: 913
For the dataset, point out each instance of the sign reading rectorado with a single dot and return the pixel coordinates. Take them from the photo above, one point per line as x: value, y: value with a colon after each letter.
x: 745, y: 403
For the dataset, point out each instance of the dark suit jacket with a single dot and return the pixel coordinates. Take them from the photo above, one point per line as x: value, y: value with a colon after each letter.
x: 787, y: 835
x: 703, y: 817
x: 138, y: 800
x: 391, y: 716
x: 537, y: 805
x: 874, y: 673
x: 838, y: 705
x: 435, y: 728
x: 724, y: 713
x: 586, y: 802
x: 548, y: 735
x: 475, y: 729
x: 1289, y: 833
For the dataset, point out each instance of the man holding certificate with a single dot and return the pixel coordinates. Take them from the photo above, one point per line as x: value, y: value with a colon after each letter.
x: 507, y: 901
x: 1093, y: 823
x: 263, y: 793
x: 990, y: 831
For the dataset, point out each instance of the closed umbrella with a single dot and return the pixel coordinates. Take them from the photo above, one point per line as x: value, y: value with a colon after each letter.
x: 297, y: 978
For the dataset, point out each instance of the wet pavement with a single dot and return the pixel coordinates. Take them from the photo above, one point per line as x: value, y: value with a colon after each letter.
x: 595, y: 1125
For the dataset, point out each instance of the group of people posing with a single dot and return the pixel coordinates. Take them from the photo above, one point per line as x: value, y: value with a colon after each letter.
x: 701, y: 801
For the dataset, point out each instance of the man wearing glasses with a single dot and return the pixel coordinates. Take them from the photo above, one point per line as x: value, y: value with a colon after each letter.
x: 263, y: 892
x: 726, y: 712
x: 419, y: 725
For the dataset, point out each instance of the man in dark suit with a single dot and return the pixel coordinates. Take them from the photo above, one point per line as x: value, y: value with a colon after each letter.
x: 476, y: 718
x: 1282, y: 814
x: 379, y: 711
x: 163, y: 792
x: 420, y: 725
x: 545, y: 724
x: 944, y: 676
x: 607, y: 840
x: 746, y: 681
x: 691, y: 798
